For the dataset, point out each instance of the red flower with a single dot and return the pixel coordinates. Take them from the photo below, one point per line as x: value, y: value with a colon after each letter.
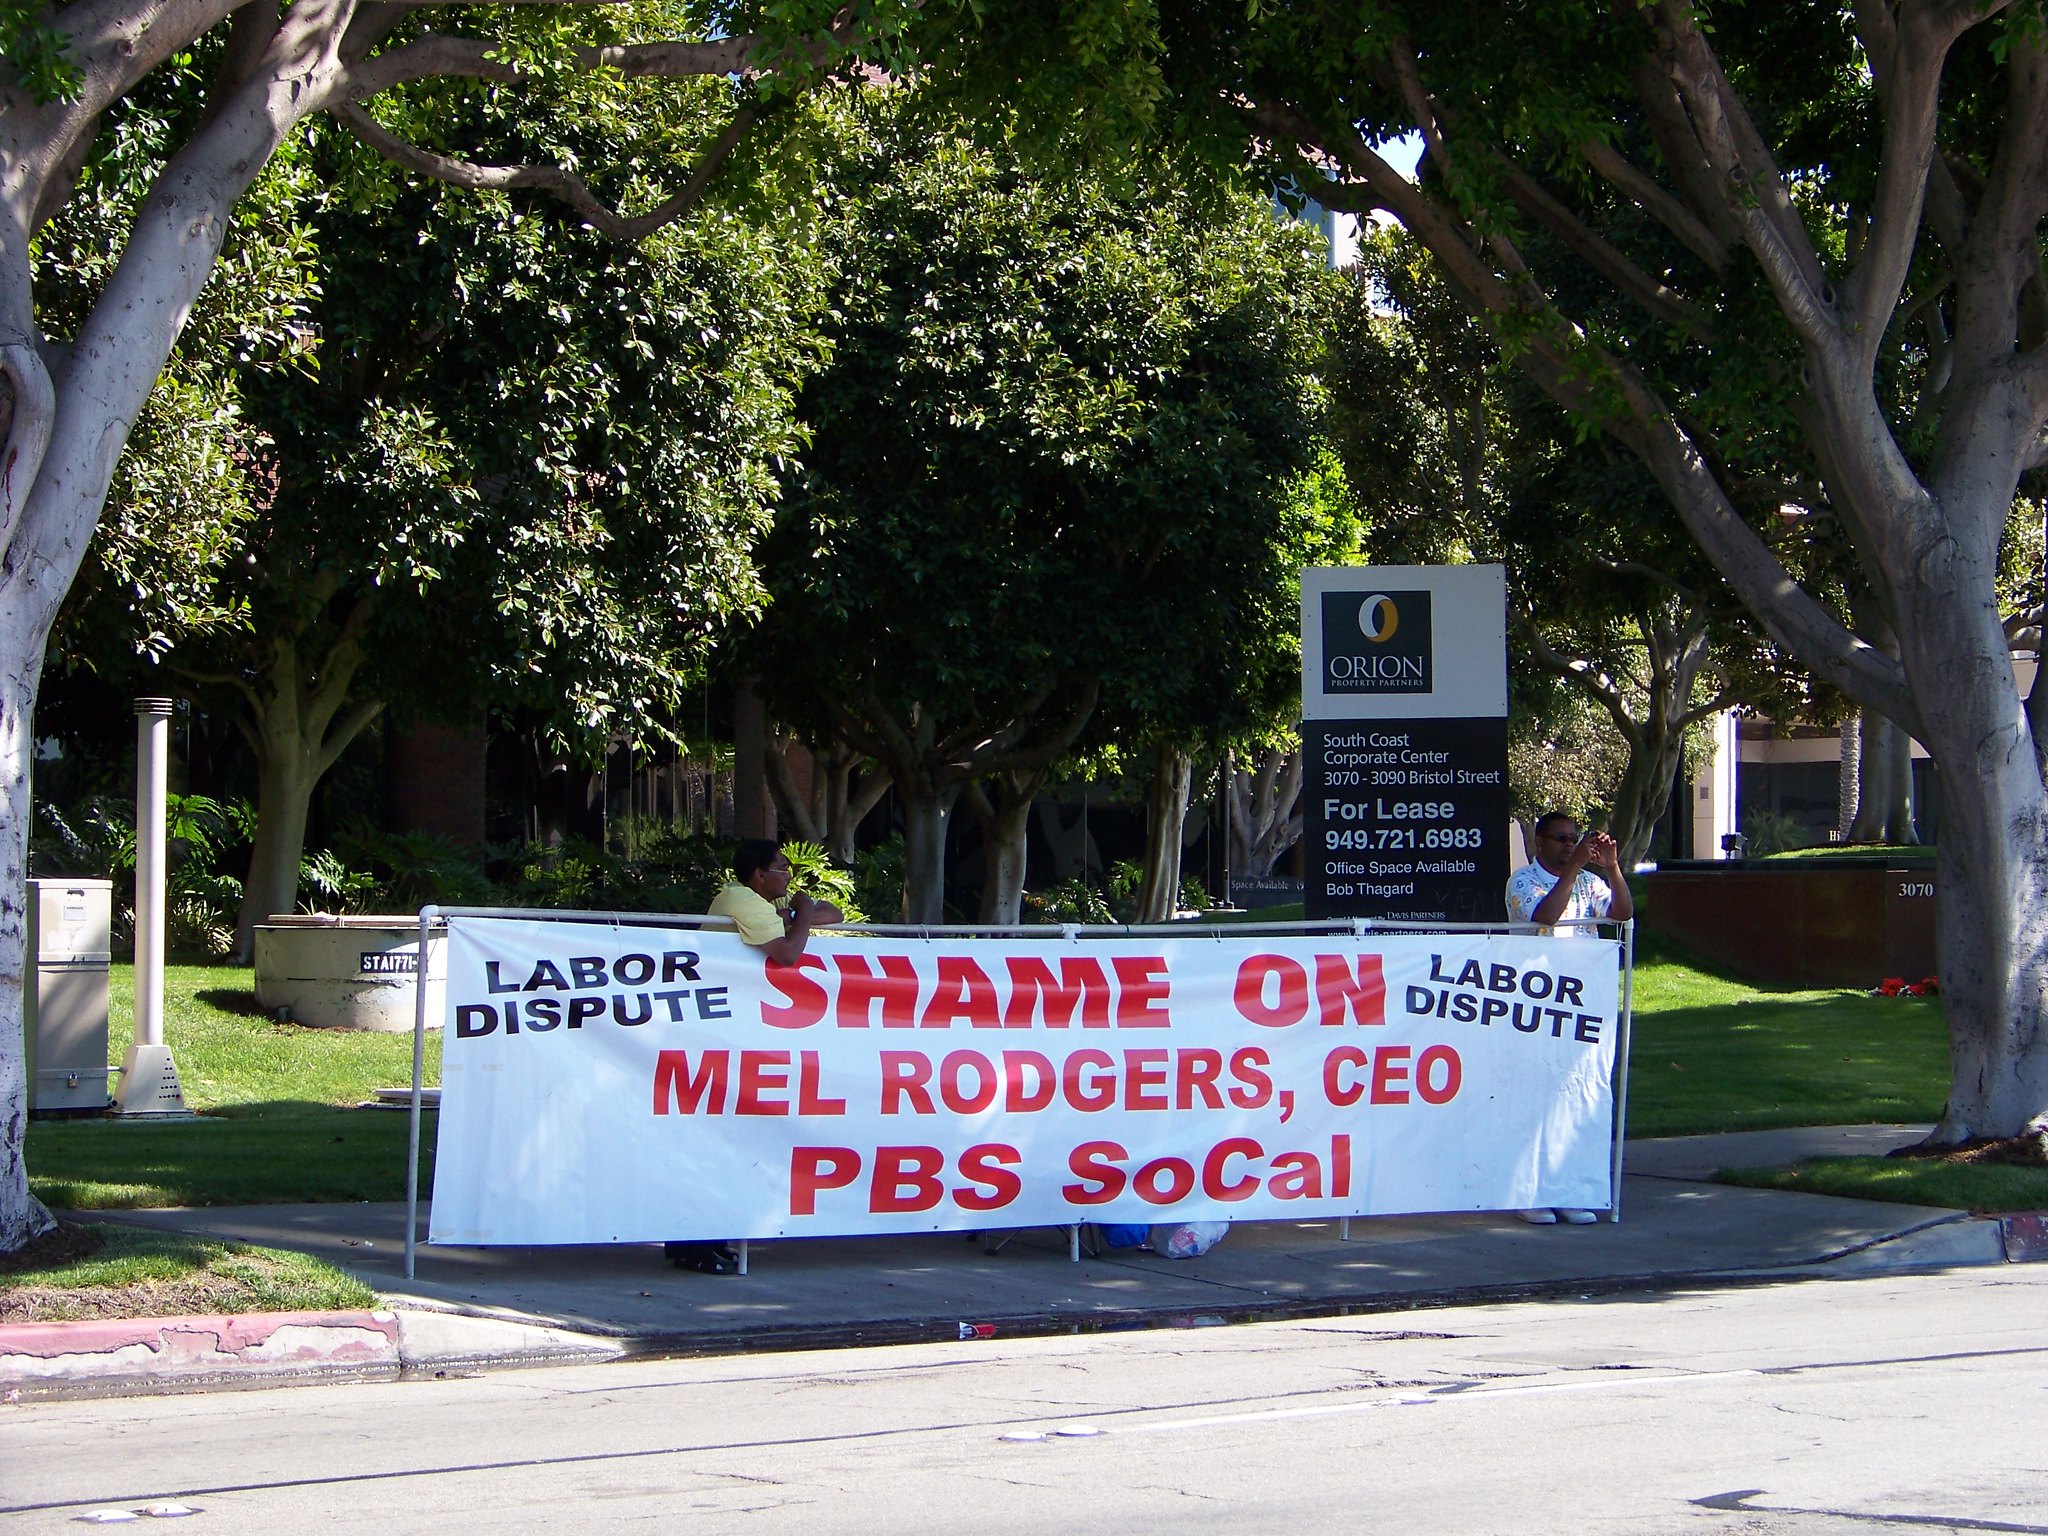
x: 1891, y: 986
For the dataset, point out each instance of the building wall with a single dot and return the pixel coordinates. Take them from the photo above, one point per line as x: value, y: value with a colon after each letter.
x: 1796, y: 771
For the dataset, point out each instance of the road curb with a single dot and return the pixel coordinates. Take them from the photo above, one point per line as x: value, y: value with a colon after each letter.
x: 173, y: 1353
x: 2025, y: 1237
x: 120, y: 1357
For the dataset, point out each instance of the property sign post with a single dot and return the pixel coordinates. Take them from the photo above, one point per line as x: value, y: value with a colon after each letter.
x: 1404, y: 741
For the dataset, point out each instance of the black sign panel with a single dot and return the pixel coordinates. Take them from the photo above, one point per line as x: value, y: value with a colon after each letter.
x: 1376, y: 643
x: 1407, y: 819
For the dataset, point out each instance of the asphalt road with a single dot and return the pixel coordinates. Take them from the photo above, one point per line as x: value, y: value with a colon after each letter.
x: 1895, y: 1403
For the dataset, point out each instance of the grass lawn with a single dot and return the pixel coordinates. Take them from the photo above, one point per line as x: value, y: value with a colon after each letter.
x: 112, y: 1271
x: 1286, y: 912
x: 1986, y: 1188
x: 1715, y: 1054
x: 277, y: 1105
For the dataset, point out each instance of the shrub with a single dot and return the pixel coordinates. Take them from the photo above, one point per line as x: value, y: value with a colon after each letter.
x: 878, y: 880
x: 1073, y: 900
x: 812, y: 871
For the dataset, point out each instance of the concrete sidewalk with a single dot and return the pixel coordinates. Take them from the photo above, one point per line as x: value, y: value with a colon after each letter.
x: 467, y: 1307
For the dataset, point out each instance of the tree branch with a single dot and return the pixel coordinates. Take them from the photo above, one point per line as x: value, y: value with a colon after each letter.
x: 1667, y: 210
x: 1580, y: 671
x: 2003, y: 256
x: 1790, y: 614
x: 113, y: 44
x: 1394, y: 193
x: 336, y: 742
x: 1909, y: 91
x: 338, y: 669
x: 1760, y: 204
x: 1671, y: 130
x: 881, y: 736
x: 1629, y: 280
x: 442, y: 55
x: 32, y: 413
x: 1037, y: 758
x: 556, y: 181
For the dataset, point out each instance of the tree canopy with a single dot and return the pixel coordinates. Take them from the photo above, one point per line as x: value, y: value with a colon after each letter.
x: 1049, y: 470
x: 1607, y: 592
x: 75, y: 377
x: 1789, y: 257
x: 515, y: 463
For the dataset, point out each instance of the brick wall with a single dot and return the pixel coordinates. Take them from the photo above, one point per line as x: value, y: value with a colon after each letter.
x: 434, y: 781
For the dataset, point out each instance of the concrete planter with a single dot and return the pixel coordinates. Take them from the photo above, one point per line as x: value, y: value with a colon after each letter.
x: 347, y: 972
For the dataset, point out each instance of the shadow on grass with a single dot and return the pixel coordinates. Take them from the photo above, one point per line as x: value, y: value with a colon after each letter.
x: 1662, y: 949
x: 278, y: 1152
x: 231, y: 1000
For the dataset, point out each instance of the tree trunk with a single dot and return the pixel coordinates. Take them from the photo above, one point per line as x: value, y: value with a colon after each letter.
x: 846, y: 803
x: 64, y: 435
x: 1264, y: 810
x: 285, y: 782
x: 1992, y: 951
x: 1166, y: 812
x: 22, y: 1216
x: 1073, y: 855
x: 1005, y: 817
x: 801, y: 815
x: 293, y: 729
x: 1644, y: 793
x: 1849, y: 776
x: 1898, y: 810
x: 926, y: 820
x: 1992, y: 881
x: 1874, y: 760
x: 831, y: 814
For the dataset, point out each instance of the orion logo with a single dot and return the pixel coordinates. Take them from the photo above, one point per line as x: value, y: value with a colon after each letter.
x: 1376, y: 642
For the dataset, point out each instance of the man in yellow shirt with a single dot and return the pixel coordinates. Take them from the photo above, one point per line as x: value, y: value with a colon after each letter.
x: 761, y: 906
x: 779, y: 925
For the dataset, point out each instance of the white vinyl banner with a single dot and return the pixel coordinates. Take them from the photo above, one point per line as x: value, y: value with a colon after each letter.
x: 606, y: 1084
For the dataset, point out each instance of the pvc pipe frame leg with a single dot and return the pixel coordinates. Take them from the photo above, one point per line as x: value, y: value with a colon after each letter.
x: 743, y: 1255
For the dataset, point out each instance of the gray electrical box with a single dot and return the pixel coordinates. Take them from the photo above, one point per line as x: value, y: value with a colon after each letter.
x: 64, y: 1005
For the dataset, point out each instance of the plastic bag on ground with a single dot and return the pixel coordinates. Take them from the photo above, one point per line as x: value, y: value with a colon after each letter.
x: 1189, y: 1240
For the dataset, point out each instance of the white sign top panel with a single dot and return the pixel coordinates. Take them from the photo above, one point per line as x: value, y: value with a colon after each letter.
x: 1404, y: 642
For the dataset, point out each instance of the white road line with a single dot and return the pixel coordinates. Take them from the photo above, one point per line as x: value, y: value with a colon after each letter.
x: 1607, y: 1382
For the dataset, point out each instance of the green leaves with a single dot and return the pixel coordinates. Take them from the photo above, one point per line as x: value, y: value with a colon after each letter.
x: 38, y: 54
x: 1051, y: 456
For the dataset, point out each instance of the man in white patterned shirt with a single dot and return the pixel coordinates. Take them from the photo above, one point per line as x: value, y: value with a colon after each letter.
x: 1560, y: 885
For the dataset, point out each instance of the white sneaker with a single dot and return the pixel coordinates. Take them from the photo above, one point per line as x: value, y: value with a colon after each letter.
x: 1578, y: 1218
x: 1540, y: 1218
